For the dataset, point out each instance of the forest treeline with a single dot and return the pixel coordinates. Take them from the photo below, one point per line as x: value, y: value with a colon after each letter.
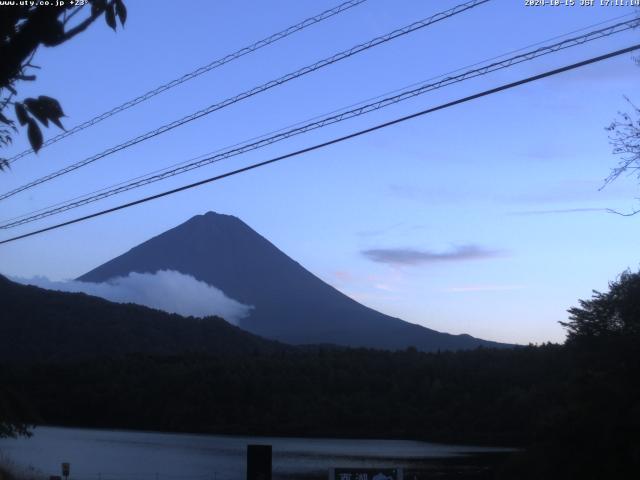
x: 39, y: 325
x: 574, y: 408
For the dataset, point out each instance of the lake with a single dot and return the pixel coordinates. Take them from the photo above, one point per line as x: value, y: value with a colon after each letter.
x: 132, y: 455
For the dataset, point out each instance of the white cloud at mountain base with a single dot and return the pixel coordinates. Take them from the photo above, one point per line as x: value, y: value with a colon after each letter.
x: 166, y: 290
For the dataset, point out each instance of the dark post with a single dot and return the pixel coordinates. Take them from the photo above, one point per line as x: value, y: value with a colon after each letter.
x: 66, y: 467
x: 258, y: 462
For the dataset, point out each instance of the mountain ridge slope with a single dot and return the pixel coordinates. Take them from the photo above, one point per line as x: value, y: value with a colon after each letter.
x: 291, y: 304
x: 40, y: 325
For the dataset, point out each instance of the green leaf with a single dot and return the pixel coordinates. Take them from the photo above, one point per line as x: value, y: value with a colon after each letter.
x: 52, y: 106
x: 35, y: 135
x: 97, y: 6
x: 121, y: 10
x: 21, y: 113
x: 52, y: 109
x: 5, y: 137
x: 58, y: 123
x: 44, y: 109
x: 36, y: 110
x: 110, y: 16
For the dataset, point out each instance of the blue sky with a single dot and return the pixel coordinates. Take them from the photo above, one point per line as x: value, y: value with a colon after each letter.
x: 485, y: 218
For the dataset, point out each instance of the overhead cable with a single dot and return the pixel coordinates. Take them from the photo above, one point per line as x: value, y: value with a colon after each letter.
x: 196, y: 73
x: 330, y: 142
x: 322, y: 122
x: 254, y: 91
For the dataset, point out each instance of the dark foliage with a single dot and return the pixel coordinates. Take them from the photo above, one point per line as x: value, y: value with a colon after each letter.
x: 574, y: 407
x: 485, y: 396
x: 625, y: 140
x: 16, y: 414
x: 41, y: 325
x: 616, y: 312
x: 591, y: 429
x: 23, y: 28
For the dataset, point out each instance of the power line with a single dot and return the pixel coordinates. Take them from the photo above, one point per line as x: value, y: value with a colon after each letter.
x: 328, y: 120
x: 196, y: 73
x: 333, y: 141
x: 362, y: 102
x: 204, y: 160
x: 254, y: 91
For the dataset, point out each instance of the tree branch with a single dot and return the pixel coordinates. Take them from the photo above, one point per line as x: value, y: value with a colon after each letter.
x: 72, y: 14
x: 628, y: 214
x: 81, y: 27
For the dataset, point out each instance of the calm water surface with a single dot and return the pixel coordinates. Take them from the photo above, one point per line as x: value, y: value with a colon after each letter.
x: 127, y: 455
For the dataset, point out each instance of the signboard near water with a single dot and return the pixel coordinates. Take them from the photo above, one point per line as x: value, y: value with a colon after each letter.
x: 365, y: 474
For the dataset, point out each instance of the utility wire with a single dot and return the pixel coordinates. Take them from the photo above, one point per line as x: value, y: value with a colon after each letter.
x: 333, y: 141
x: 323, y: 122
x: 254, y: 91
x: 196, y: 73
x: 362, y: 102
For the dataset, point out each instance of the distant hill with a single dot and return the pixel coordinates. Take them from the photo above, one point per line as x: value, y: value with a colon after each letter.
x: 291, y: 304
x: 43, y: 325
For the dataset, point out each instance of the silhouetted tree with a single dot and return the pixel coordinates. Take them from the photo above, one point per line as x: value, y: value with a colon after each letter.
x: 616, y: 312
x: 23, y: 28
x: 625, y: 140
x: 15, y: 417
